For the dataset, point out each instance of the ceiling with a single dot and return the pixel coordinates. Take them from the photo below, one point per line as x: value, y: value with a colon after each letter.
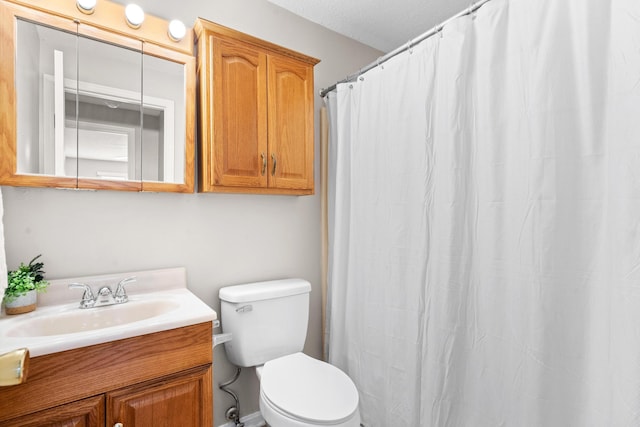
x: 381, y: 24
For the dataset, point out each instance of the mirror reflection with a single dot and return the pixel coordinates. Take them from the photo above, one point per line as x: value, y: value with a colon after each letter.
x: 165, y: 127
x: 41, y: 56
x: 95, y: 110
x: 107, y: 114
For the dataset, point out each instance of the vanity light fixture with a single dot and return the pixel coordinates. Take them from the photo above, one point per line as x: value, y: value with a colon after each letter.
x: 177, y: 30
x: 86, y: 6
x: 134, y: 15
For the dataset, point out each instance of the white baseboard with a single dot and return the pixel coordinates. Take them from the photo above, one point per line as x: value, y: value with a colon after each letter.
x: 251, y: 420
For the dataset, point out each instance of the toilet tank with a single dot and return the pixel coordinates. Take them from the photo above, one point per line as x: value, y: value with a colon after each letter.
x: 267, y: 319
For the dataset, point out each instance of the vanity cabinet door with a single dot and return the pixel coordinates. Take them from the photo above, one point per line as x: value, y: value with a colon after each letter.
x: 290, y: 115
x: 240, y: 119
x: 179, y: 400
x: 83, y: 413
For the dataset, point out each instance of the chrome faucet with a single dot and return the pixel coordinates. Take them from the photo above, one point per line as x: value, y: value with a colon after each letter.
x: 120, y: 295
x: 104, y: 296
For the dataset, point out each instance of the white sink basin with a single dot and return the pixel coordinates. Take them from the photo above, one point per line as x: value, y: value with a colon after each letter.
x: 76, y: 320
x: 158, y: 301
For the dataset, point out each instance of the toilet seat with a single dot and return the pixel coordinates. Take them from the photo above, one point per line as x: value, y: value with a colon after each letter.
x: 307, y: 392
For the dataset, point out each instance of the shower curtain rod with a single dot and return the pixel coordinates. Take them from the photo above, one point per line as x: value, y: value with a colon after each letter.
x: 412, y: 42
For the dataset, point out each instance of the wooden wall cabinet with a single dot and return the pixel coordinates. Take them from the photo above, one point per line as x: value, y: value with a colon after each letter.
x: 156, y: 380
x: 256, y: 114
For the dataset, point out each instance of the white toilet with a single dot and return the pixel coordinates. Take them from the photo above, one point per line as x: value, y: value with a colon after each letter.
x: 268, y: 322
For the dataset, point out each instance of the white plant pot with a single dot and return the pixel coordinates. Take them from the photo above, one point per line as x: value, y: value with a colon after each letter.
x: 22, y: 304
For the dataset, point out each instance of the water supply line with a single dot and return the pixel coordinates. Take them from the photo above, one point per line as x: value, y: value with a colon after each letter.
x: 233, y: 413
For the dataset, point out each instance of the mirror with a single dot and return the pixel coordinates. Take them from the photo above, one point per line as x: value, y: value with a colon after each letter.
x: 95, y: 109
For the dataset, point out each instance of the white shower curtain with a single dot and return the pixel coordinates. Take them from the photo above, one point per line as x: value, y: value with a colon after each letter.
x: 484, y: 222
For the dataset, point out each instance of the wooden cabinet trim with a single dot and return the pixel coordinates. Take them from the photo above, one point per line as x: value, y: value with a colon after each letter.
x: 87, y: 412
x: 109, y: 16
x: 203, y: 26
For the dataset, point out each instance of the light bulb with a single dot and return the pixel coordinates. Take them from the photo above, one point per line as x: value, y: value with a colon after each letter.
x: 135, y: 15
x: 177, y: 30
x: 86, y: 6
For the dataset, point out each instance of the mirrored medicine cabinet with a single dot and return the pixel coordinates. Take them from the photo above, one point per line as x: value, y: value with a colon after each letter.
x: 88, y: 102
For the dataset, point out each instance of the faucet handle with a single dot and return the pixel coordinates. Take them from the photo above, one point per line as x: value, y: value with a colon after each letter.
x: 88, y: 299
x: 120, y: 294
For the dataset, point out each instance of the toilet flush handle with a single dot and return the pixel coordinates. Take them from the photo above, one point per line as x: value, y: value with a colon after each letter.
x: 244, y: 309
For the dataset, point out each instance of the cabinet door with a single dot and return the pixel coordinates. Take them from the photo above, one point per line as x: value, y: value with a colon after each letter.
x: 183, y: 400
x: 83, y: 413
x: 290, y: 112
x: 240, y: 116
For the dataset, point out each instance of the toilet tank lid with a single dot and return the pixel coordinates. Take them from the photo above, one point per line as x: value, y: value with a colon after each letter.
x: 258, y: 291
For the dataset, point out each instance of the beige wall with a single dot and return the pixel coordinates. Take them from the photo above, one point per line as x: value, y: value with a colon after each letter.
x: 220, y: 239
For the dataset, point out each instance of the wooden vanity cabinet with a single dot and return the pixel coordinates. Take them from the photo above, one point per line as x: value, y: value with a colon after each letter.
x: 159, y: 379
x: 256, y: 114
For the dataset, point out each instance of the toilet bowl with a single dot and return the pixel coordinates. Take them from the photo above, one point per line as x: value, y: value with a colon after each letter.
x: 268, y: 324
x: 299, y: 391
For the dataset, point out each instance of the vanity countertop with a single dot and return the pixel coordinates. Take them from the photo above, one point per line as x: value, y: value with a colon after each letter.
x: 158, y: 301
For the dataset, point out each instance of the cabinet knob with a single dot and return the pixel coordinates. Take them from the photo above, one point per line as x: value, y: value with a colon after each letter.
x: 118, y: 425
x: 275, y: 163
x: 264, y: 163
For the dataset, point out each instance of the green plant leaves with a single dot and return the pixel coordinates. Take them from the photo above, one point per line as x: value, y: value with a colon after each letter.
x: 26, y: 278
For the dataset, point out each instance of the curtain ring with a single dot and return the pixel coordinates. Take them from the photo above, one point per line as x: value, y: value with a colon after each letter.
x: 472, y: 12
x: 409, y: 47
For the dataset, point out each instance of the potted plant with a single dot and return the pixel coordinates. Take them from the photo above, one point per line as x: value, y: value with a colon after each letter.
x: 23, y: 283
